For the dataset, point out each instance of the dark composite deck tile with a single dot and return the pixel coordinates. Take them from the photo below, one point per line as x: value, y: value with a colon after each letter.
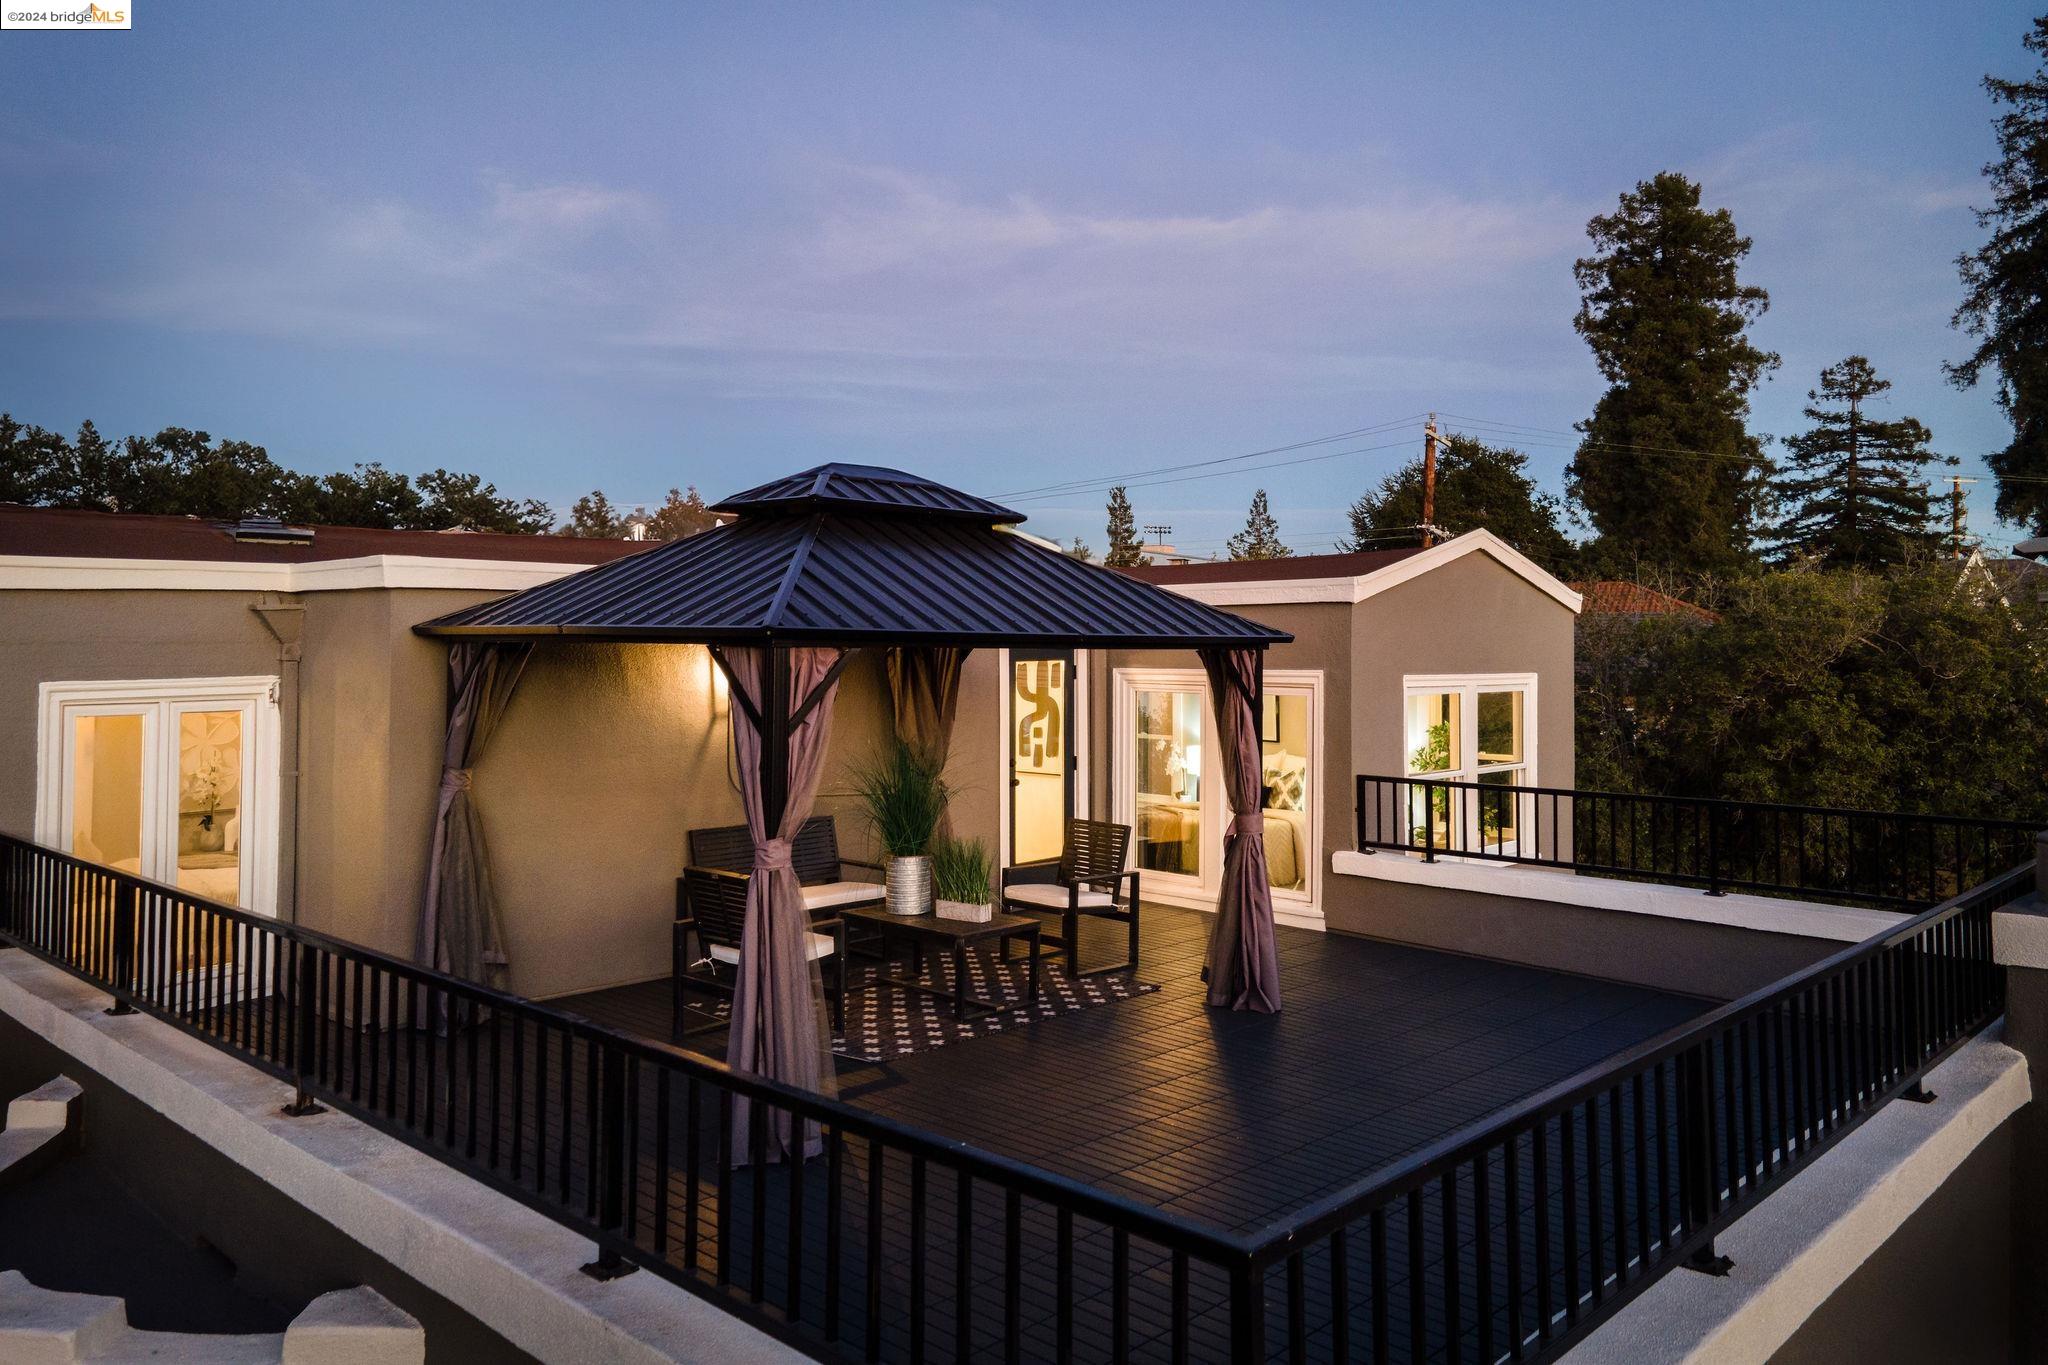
x: 1382, y: 1048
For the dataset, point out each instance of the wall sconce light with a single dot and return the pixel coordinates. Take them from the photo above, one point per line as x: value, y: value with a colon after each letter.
x: 721, y: 697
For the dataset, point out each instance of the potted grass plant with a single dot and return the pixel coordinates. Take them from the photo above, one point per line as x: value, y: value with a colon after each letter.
x: 962, y: 870
x: 904, y: 793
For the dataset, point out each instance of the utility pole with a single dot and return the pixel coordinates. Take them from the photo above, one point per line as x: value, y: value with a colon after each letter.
x: 1157, y: 535
x: 1958, y: 514
x: 1429, y: 482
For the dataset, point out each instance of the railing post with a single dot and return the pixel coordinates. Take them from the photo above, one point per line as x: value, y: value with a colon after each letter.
x: 1247, y: 1313
x: 1429, y: 790
x: 124, y: 946
x: 1912, y: 1016
x: 1696, y: 1153
x: 1714, y: 850
x: 303, y: 1005
x: 611, y: 1172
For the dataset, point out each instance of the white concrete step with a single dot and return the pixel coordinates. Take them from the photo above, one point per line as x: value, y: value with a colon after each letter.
x: 347, y: 1327
x: 36, y: 1121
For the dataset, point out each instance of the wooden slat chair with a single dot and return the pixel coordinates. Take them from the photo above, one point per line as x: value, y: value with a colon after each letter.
x: 813, y: 854
x: 711, y: 903
x: 1089, y: 881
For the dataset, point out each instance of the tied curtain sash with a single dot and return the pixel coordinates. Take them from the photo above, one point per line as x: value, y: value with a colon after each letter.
x: 779, y: 1024
x: 1243, y: 968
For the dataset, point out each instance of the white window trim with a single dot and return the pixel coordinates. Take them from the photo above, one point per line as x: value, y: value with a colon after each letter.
x: 1469, y: 686
x: 262, y: 773
x: 1303, y: 909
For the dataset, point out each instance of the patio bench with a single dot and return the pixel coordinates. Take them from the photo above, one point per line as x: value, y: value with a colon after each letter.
x: 814, y: 856
x: 1088, y: 880
x: 711, y: 903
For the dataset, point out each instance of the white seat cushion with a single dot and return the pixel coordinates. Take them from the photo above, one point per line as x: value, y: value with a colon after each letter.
x: 1054, y: 897
x: 825, y: 895
x: 818, y: 945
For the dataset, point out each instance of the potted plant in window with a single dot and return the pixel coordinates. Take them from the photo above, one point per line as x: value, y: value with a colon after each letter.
x: 904, y: 792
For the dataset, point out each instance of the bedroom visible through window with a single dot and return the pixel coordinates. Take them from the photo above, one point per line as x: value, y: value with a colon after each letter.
x: 1167, y: 784
x: 1286, y: 750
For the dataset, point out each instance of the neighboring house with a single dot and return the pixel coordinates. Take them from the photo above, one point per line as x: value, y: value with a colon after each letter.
x: 1619, y: 597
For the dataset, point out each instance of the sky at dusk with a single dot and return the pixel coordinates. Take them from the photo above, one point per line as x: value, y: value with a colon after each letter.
x: 632, y: 247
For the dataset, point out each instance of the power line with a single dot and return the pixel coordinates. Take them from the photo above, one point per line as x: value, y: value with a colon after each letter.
x: 1216, y: 474
x: 1109, y: 481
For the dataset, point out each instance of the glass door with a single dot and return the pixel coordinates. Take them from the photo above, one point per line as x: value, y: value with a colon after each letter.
x: 179, y: 787
x: 1042, y: 764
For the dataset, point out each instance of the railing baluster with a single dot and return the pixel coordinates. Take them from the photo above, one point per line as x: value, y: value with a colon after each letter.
x: 1340, y: 1296
x: 1376, y: 1223
x: 872, y: 1294
x: 1013, y: 1286
x: 917, y: 1258
x: 963, y: 1266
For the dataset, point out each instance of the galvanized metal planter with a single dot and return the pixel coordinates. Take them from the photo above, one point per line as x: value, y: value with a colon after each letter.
x: 909, y: 882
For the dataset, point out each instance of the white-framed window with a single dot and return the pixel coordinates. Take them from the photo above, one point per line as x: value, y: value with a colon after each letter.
x: 174, y: 779
x: 1477, y: 728
x: 1167, y: 783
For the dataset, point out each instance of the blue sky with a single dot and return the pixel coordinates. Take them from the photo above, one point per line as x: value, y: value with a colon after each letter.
x: 1005, y: 246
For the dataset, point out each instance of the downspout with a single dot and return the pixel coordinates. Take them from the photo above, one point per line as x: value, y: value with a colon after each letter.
x: 285, y: 619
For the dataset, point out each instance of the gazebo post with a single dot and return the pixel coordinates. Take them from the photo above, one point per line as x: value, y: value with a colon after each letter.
x: 775, y: 739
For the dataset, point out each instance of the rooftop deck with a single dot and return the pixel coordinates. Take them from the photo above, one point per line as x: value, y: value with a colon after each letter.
x: 1236, y: 1119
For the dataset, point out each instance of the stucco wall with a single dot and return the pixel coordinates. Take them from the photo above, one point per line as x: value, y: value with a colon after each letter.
x: 1715, y: 960
x: 1473, y: 615
x: 90, y: 637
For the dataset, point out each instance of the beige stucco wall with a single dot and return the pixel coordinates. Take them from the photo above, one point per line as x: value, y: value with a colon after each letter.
x: 1472, y: 615
x: 92, y: 637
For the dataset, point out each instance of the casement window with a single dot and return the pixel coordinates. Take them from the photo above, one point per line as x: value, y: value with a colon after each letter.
x: 176, y: 780
x: 1168, y: 784
x: 1478, y: 729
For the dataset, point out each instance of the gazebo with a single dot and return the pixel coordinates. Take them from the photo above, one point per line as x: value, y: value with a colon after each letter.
x: 809, y: 568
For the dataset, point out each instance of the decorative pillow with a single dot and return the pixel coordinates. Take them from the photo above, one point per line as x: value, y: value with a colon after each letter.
x: 1286, y: 780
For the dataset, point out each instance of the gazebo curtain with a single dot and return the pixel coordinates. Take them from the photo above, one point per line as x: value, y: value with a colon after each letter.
x: 1243, y: 966
x: 924, y: 693
x: 459, y: 930
x: 779, y: 1025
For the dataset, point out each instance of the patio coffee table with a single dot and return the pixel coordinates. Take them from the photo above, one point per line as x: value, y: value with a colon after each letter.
x: 956, y: 936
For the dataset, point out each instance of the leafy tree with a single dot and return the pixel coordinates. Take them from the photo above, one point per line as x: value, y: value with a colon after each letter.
x: 464, y: 502
x: 29, y: 457
x: 1123, y: 534
x: 2005, y: 290
x: 1666, y: 471
x: 1476, y: 485
x: 1883, y: 690
x: 371, y: 496
x: 594, y: 518
x: 187, y: 473
x: 681, y: 515
x: 1854, y: 493
x: 1079, y: 550
x: 1260, y: 538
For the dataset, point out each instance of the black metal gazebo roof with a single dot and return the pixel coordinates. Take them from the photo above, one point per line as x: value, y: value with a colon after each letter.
x: 856, y: 554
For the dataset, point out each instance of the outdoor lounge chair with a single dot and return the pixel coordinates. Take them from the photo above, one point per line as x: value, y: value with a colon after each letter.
x: 814, y: 854
x: 712, y: 904
x: 1088, y: 881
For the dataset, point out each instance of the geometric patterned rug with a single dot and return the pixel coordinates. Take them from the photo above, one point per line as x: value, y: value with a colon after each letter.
x: 885, y: 1022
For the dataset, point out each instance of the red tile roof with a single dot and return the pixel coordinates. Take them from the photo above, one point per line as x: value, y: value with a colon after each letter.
x: 64, y: 532
x: 1264, y: 570
x: 1619, y: 597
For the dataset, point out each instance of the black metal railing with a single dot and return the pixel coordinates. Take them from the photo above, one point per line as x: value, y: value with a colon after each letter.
x: 1509, y: 1239
x: 1886, y: 859
x: 1562, y: 1207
